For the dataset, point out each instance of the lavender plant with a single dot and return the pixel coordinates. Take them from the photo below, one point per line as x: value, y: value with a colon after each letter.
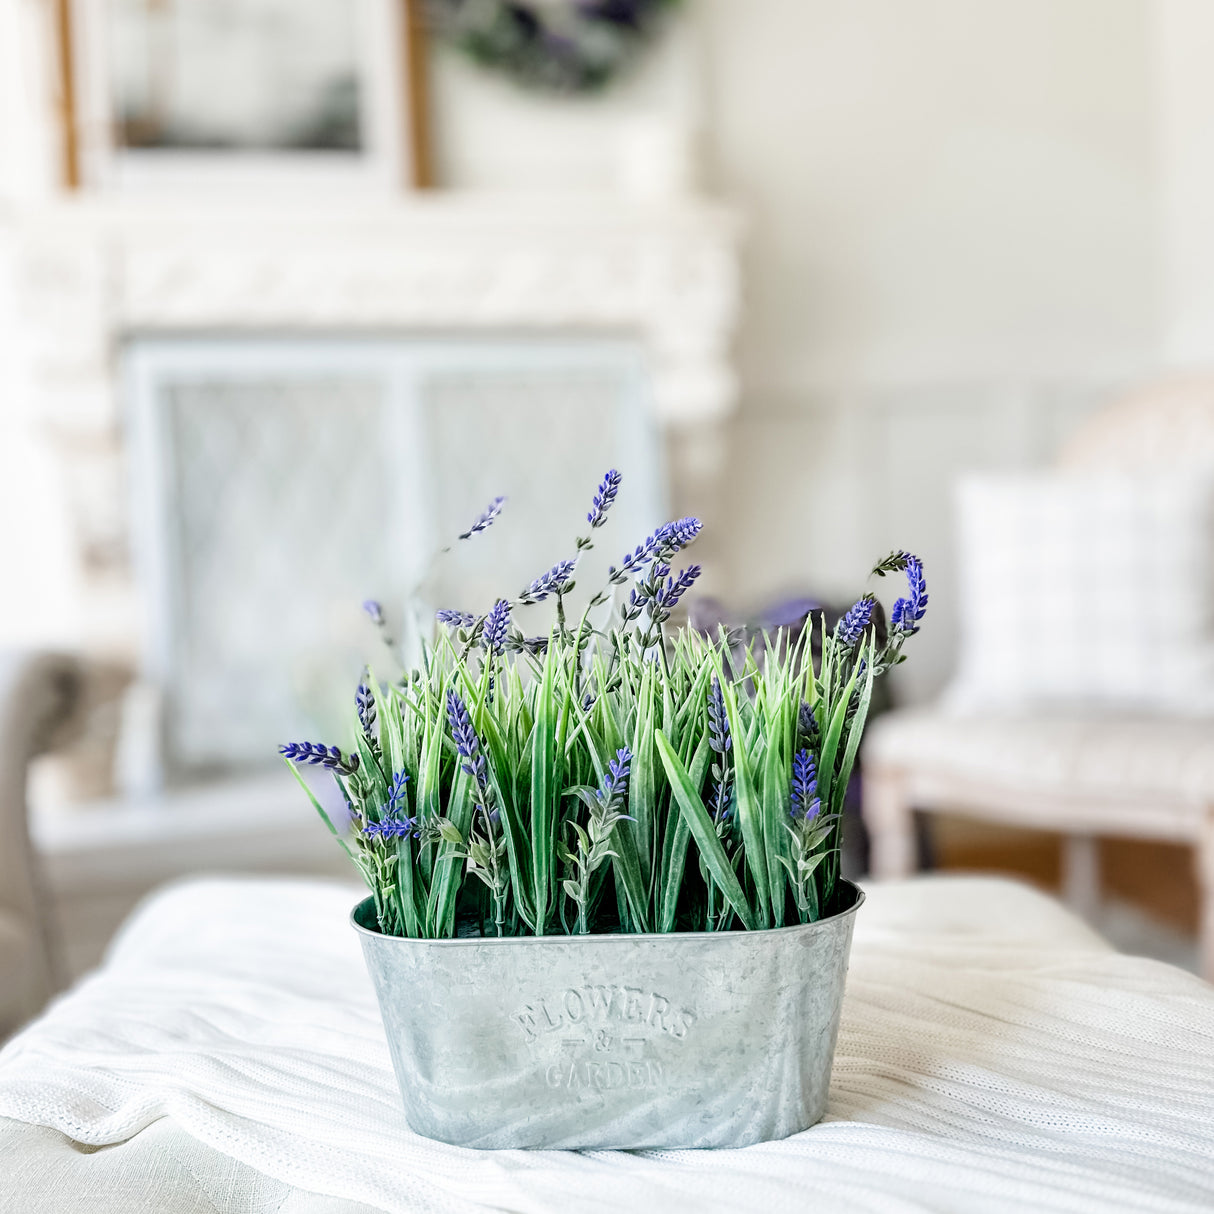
x: 616, y: 774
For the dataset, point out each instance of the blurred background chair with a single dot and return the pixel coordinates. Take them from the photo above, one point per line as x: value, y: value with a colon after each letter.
x: 38, y: 696
x: 1085, y: 771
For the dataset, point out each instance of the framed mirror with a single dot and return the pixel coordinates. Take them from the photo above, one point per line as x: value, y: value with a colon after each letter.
x: 201, y: 94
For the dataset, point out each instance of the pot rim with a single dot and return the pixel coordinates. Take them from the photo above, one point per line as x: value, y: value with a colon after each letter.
x: 628, y: 937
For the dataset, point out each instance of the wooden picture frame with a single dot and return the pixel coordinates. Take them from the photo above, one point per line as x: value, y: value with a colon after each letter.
x: 392, y: 152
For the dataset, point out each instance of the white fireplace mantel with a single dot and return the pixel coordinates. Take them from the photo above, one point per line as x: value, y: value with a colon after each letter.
x: 96, y: 271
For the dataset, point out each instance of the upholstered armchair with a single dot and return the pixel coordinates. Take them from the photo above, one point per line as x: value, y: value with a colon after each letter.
x: 39, y: 693
x: 1086, y: 774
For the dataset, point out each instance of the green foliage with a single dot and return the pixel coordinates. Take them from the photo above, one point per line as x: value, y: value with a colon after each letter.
x: 556, y: 859
x: 613, y: 778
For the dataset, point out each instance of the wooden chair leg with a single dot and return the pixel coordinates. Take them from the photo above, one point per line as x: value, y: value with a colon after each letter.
x: 1205, y: 887
x: 888, y: 815
x: 1081, y: 875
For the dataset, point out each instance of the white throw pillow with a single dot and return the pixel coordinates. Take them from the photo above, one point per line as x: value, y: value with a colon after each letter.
x: 1090, y: 591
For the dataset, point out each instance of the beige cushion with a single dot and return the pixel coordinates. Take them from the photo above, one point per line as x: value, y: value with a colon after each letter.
x: 1148, y: 761
x: 1085, y: 592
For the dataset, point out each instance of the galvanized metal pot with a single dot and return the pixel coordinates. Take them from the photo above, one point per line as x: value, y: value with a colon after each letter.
x: 682, y: 1040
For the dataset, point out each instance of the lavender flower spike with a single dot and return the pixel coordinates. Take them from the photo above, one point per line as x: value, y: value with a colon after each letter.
x: 807, y: 723
x: 804, y: 803
x: 555, y: 581
x: 668, y: 596
x: 396, y: 797
x: 375, y: 611
x: 364, y: 701
x: 851, y: 627
x: 677, y: 535
x: 317, y: 753
x: 909, y: 611
x: 391, y: 828
x: 485, y: 519
x: 496, y: 624
x: 718, y: 720
x: 467, y: 744
x: 603, y: 498
x: 615, y: 782
x: 455, y: 619
x: 668, y: 539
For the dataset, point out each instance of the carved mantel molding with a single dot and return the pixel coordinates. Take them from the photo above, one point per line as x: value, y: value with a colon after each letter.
x: 95, y: 272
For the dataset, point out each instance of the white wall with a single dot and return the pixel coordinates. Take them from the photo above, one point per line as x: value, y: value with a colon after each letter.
x: 37, y: 600
x: 970, y: 221
x: 1185, y: 72
x: 941, y: 190
x: 953, y: 255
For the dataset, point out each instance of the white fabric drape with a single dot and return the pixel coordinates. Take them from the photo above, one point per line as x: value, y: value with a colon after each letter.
x: 994, y: 1056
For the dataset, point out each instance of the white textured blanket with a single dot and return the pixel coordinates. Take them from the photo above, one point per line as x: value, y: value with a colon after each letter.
x: 994, y: 1055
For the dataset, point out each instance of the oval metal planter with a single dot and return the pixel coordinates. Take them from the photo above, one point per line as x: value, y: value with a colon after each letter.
x: 687, y: 1039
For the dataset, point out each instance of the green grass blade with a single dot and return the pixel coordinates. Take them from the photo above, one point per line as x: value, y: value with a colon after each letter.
x: 678, y: 833
x: 545, y: 789
x: 855, y: 732
x: 830, y: 744
x: 642, y: 786
x: 775, y: 797
x: 518, y: 853
x: 691, y: 807
x: 324, y: 817
x: 448, y: 868
x: 750, y: 810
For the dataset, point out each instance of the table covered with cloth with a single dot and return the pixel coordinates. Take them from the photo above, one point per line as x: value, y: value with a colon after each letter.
x: 994, y: 1055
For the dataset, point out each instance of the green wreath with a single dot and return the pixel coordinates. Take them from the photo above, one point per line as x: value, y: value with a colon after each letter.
x: 562, y: 46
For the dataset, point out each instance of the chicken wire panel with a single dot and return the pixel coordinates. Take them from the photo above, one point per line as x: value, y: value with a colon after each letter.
x: 277, y: 502
x: 543, y: 437
x: 278, y: 483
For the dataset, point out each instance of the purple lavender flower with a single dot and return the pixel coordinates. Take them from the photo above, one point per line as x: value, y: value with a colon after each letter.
x: 375, y: 611
x: 364, y: 701
x: 718, y: 720
x: 677, y: 535
x: 909, y: 611
x: 663, y: 543
x: 320, y: 755
x: 615, y: 782
x: 467, y: 744
x: 804, y: 802
x: 667, y: 598
x: 851, y: 627
x: 391, y: 828
x: 556, y: 581
x: 396, y: 797
x: 588, y: 701
x: 455, y: 619
x: 496, y: 624
x: 640, y: 556
x: 603, y: 498
x: 807, y: 723
x: 485, y: 519
x: 721, y: 741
